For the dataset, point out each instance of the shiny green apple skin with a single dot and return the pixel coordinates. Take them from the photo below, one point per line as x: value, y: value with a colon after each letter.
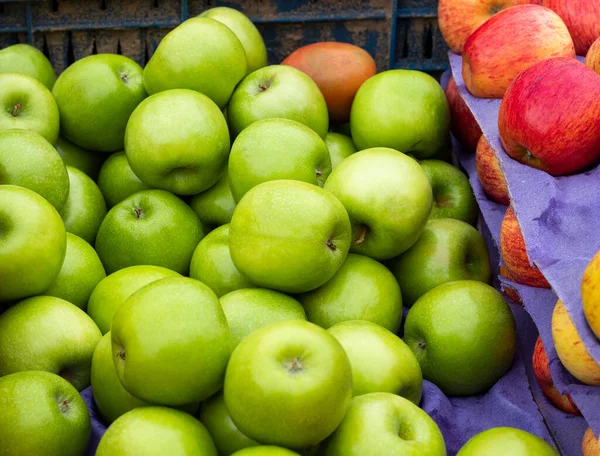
x: 289, y: 236
x: 272, y: 149
x: 117, y: 181
x: 33, y: 243
x: 448, y: 250
x: 26, y: 104
x: 85, y: 207
x: 156, y: 430
x: 212, y: 264
x: 214, y: 207
x: 49, y: 334
x: 227, y: 437
x: 29, y: 161
x: 340, y: 147
x: 362, y: 289
x: 41, y: 413
x: 177, y: 141
x: 388, y: 198
x: 26, y: 59
x: 288, y: 384
x: 404, y: 110
x: 452, y: 194
x: 265, y: 451
x: 250, y: 309
x: 95, y: 97
x: 385, y: 424
x: 278, y: 91
x: 463, y: 333
x: 113, y: 291
x: 247, y: 33
x: 152, y: 227
x: 502, y: 441
x: 201, y: 54
x: 86, y: 160
x: 381, y: 361
x: 171, y: 342
x: 81, y: 271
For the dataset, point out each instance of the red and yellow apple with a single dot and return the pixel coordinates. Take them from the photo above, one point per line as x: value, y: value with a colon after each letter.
x: 514, y: 253
x: 570, y: 348
x: 549, y: 115
x: 541, y: 370
x: 510, y: 42
x: 458, y: 19
x: 582, y: 18
x: 509, y: 292
x: 489, y: 172
x: 463, y: 123
x: 590, y: 294
x: 592, y: 58
x: 590, y: 446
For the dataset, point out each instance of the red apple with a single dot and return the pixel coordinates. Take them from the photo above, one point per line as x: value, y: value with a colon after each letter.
x: 514, y: 254
x: 582, y: 18
x: 549, y: 117
x: 509, y: 292
x: 590, y: 446
x: 459, y: 18
x: 541, y: 370
x: 463, y: 123
x: 489, y: 173
x: 510, y: 42
x: 592, y: 58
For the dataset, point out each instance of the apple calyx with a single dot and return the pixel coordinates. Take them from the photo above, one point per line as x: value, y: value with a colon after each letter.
x: 139, y: 212
x: 319, y: 174
x: 124, y: 77
x: 294, y: 366
x: 64, y: 406
x: 362, y: 235
x: 495, y: 9
x: 121, y: 355
x: 16, y: 110
x: 331, y: 245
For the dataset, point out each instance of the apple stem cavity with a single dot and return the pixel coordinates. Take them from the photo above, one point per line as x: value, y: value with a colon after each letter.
x: 124, y: 77
x: 362, y: 235
x: 17, y: 110
x: 294, y: 366
x: 139, y: 212
x: 262, y: 86
x: 121, y: 355
x: 64, y: 406
x: 331, y: 245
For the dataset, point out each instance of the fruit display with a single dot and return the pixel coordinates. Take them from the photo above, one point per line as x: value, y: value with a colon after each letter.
x: 208, y: 253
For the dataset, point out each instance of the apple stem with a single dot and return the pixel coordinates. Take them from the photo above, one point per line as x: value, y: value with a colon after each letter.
x: 261, y: 86
x: 139, y: 212
x: 17, y: 109
x: 361, y: 235
x: 331, y: 245
x: 121, y: 355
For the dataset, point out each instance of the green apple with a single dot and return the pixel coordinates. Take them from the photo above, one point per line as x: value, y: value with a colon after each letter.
x: 201, y: 54
x: 405, y: 110
x: 265, y: 451
x: 247, y: 33
x: 171, y: 342
x: 26, y: 59
x: 252, y: 308
x: 212, y: 264
x: 288, y: 384
x: 448, y: 250
x: 32, y: 243
x: 86, y: 160
x: 49, y: 334
x: 117, y: 181
x: 81, y: 271
x: 178, y: 141
x: 26, y: 104
x: 28, y: 160
x: 289, y: 235
x: 95, y: 97
x: 85, y: 207
x: 112, y: 291
x: 152, y: 227
x: 272, y: 149
x: 214, y: 206
x: 502, y: 441
x: 463, y: 333
x: 384, y: 424
x: 452, y: 194
x: 227, y: 437
x: 41, y: 413
x: 362, y: 289
x: 381, y: 361
x: 388, y: 198
x: 158, y: 431
x: 340, y: 147
x: 278, y: 91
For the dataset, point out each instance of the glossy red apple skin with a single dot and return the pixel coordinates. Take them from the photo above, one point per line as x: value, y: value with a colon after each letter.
x: 514, y: 254
x: 592, y: 58
x: 458, y: 19
x: 510, y: 42
x: 541, y: 370
x: 489, y: 173
x: 582, y: 18
x: 463, y: 124
x: 550, y: 117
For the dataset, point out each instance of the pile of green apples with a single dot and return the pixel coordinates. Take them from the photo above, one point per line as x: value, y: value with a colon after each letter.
x: 228, y: 273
